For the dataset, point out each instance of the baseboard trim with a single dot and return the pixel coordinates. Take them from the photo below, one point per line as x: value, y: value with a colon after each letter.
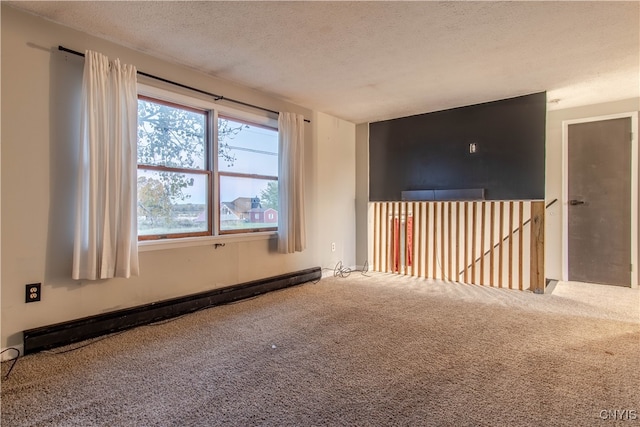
x: 51, y: 336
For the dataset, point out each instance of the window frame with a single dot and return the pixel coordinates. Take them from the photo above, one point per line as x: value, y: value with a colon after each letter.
x: 241, y: 175
x: 187, y: 100
x: 206, y: 170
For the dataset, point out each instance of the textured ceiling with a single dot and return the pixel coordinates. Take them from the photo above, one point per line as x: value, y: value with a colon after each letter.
x: 368, y: 61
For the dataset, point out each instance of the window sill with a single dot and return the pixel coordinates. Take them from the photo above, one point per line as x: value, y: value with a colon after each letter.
x: 163, y: 244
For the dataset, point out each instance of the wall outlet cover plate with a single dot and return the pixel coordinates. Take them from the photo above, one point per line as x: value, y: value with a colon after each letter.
x: 33, y: 292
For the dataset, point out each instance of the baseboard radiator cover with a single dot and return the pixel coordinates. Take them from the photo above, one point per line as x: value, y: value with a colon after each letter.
x: 59, y: 334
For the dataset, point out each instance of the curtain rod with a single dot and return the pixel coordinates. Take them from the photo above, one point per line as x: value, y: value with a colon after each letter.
x: 213, y: 95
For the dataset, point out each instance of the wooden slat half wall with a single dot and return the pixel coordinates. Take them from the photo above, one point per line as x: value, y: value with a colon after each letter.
x: 490, y: 243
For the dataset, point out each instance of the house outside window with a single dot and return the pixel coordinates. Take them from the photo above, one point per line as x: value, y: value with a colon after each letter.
x: 185, y: 189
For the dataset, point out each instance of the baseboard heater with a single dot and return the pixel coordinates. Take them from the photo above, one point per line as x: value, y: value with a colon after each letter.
x: 47, y: 337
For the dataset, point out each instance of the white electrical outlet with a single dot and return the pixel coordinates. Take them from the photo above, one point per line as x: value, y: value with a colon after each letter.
x: 333, y: 246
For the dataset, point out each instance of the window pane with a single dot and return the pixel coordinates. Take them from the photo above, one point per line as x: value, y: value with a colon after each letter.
x: 170, y: 203
x: 248, y: 203
x: 170, y: 136
x: 246, y: 148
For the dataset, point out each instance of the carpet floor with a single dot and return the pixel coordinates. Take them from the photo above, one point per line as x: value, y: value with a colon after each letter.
x: 375, y: 350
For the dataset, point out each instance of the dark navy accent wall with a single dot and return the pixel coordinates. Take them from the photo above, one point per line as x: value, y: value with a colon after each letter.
x: 431, y: 151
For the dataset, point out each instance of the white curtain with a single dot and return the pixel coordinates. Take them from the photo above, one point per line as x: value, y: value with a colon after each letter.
x: 291, y: 222
x: 106, y: 235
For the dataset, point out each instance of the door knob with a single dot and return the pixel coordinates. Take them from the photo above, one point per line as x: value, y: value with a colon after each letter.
x: 576, y: 202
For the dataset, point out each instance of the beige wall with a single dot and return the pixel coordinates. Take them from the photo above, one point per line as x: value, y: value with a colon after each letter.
x: 40, y: 92
x: 336, y: 183
x: 554, y: 221
x: 362, y: 194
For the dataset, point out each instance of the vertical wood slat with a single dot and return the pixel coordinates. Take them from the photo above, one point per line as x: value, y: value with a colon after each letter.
x: 389, y: 251
x: 396, y: 260
x: 385, y: 219
x: 537, y: 276
x: 381, y: 233
x: 404, y: 213
x: 406, y: 238
x: 492, y: 219
x: 466, y: 242
x: 456, y: 268
x: 374, y: 234
x: 442, y: 232
x: 380, y: 228
x: 520, y: 242
x: 378, y: 225
x: 402, y: 238
x: 482, y: 231
x: 376, y: 245
x: 413, y: 239
x: 383, y: 229
x: 427, y: 209
x: 511, y: 234
x: 398, y: 212
x: 500, y: 242
x: 417, y: 218
x: 434, y: 260
x: 473, y: 242
x: 387, y: 225
x: 449, y: 237
x: 393, y: 228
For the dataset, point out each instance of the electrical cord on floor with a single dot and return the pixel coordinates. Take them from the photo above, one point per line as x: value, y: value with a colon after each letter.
x: 365, y: 268
x: 14, y: 360
x: 341, y: 271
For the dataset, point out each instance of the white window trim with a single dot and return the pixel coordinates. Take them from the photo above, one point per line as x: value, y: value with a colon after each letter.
x: 196, y: 102
x: 185, y: 242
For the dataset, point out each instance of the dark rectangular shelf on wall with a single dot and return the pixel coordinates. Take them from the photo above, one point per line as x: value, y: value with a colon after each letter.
x: 497, y: 146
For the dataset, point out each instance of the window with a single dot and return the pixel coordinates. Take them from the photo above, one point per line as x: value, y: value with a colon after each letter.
x: 177, y: 172
x: 248, y: 175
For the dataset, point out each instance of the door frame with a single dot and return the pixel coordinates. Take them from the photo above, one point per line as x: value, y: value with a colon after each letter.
x: 634, y: 190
